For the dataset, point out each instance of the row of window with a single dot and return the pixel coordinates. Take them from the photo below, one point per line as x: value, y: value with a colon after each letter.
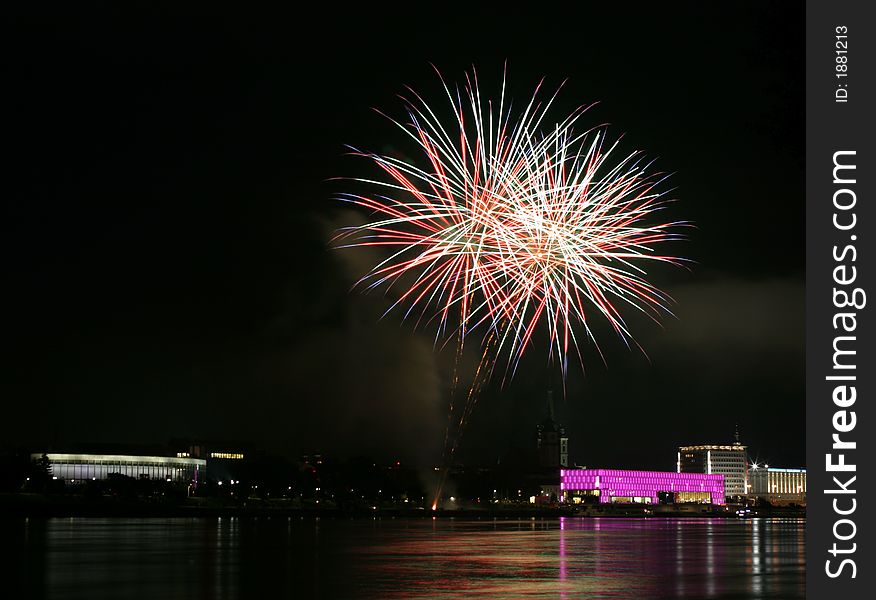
x: 82, y: 471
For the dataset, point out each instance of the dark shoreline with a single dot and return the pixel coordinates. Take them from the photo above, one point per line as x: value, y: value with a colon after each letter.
x: 45, y: 506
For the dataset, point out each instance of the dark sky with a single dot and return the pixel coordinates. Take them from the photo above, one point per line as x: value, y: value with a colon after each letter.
x: 166, y: 268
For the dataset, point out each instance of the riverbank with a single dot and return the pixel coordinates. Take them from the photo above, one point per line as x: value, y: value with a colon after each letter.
x: 51, y: 505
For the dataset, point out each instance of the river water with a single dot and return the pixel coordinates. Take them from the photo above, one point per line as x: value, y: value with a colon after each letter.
x: 296, y: 557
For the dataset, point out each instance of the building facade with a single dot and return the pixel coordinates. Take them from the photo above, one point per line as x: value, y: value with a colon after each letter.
x: 79, y: 468
x: 640, y: 487
x: 225, y: 460
x: 779, y: 486
x: 728, y: 460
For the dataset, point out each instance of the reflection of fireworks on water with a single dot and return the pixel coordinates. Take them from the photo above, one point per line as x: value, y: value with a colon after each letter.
x: 504, y: 228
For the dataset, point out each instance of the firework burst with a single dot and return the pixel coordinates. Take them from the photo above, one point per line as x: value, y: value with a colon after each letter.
x: 510, y: 222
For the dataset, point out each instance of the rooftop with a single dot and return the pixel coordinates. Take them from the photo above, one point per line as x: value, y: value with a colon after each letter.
x: 733, y: 447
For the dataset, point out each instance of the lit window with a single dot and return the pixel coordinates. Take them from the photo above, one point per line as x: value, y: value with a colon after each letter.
x: 227, y: 455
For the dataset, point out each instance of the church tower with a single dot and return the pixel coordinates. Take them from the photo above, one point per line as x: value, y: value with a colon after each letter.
x: 552, y: 441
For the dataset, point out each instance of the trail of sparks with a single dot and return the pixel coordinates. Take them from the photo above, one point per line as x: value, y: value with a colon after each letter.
x: 510, y: 226
x: 482, y: 376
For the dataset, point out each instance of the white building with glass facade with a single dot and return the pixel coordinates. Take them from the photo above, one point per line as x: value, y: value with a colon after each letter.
x: 78, y: 468
x: 712, y: 459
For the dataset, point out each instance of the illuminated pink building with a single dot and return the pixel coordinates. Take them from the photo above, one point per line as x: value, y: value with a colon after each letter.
x: 647, y: 487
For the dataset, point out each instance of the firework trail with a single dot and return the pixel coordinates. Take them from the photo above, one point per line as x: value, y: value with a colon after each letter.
x: 512, y: 223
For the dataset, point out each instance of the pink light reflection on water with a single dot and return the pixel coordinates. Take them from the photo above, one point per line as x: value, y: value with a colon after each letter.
x: 408, y: 558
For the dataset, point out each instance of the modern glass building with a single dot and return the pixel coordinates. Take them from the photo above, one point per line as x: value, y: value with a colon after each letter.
x: 728, y: 460
x: 78, y: 468
x: 646, y: 487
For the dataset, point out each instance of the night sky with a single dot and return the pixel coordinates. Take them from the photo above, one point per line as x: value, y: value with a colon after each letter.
x: 166, y: 264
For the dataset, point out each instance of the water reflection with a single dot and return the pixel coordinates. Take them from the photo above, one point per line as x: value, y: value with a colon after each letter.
x: 386, y: 558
